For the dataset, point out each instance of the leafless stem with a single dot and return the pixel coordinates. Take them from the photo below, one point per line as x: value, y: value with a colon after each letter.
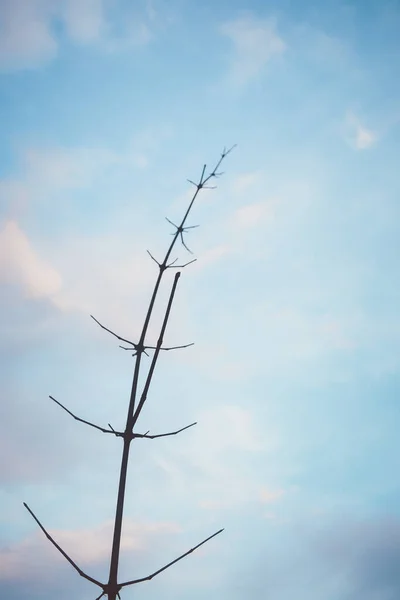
x: 133, y: 581
x: 112, y: 588
x: 154, y: 347
x: 111, y: 430
x: 65, y: 555
x: 136, y: 347
x: 157, y: 351
x: 153, y: 437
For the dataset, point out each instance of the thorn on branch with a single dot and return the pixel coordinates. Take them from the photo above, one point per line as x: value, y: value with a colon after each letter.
x: 133, y: 581
x: 65, y: 555
x: 117, y: 433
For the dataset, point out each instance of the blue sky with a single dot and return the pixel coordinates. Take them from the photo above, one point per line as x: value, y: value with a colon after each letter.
x: 107, y: 107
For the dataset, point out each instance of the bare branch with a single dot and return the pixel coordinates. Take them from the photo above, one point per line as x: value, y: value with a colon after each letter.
x: 153, y: 437
x: 168, y: 348
x: 173, y: 266
x: 114, y: 334
x: 180, y: 230
x: 152, y: 257
x: 65, y: 555
x: 117, y: 433
x: 156, y: 352
x: 136, y: 347
x: 133, y: 581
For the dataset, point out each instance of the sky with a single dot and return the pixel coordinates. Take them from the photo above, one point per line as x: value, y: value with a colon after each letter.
x: 107, y: 108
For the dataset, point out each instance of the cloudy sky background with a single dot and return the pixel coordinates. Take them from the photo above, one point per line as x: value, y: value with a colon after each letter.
x: 107, y: 107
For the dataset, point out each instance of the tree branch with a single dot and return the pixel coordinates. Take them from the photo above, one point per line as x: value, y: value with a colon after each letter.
x: 133, y: 581
x: 65, y: 555
x: 155, y: 347
x: 136, y: 347
x: 156, y: 352
x: 111, y: 430
x: 153, y: 437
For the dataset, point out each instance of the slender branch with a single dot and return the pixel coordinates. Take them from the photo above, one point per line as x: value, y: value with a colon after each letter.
x: 156, y: 352
x: 133, y: 581
x: 172, y: 264
x: 132, y: 415
x: 65, y: 555
x: 136, y: 347
x: 111, y: 430
x: 169, y: 348
x: 153, y: 437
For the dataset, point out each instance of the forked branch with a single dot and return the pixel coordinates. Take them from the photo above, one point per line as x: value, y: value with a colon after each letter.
x: 112, y: 588
x: 121, y: 433
x: 103, y: 429
x: 137, y: 347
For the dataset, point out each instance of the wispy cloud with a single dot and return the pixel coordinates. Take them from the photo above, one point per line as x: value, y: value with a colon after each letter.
x: 28, y: 35
x: 21, y: 264
x: 253, y: 215
x: 357, y: 134
x: 255, y: 42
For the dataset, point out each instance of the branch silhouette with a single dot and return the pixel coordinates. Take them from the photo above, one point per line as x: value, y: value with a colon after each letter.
x: 137, y: 400
x: 148, y: 577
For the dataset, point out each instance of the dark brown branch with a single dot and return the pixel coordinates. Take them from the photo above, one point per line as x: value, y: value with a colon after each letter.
x: 156, y: 352
x: 172, y: 264
x: 111, y: 430
x: 133, y: 581
x: 65, y: 555
x: 153, y: 437
x: 132, y: 414
x: 169, y: 348
x: 135, y: 346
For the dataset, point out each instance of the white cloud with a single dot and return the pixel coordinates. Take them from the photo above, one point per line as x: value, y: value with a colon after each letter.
x: 255, y: 43
x: 26, y: 38
x: 19, y: 263
x: 84, y: 19
x: 357, y: 134
x: 28, y: 35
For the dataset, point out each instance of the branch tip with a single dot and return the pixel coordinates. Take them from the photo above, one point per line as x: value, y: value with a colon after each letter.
x: 65, y: 555
x: 133, y: 581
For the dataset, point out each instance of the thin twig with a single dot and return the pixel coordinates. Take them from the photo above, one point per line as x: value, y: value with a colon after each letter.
x: 153, y: 437
x: 169, y: 348
x: 135, y: 346
x: 117, y: 433
x: 133, y: 581
x: 65, y: 555
x: 114, y: 334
